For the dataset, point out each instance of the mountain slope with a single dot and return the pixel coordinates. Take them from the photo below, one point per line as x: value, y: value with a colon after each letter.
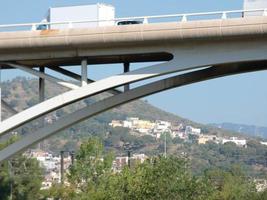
x: 250, y: 130
x: 22, y: 93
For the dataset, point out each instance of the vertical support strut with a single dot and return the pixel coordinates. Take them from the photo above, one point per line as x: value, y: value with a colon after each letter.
x: 126, y: 68
x: 84, y: 72
x: 41, y: 99
x: 0, y: 94
x: 0, y: 103
x: 41, y: 86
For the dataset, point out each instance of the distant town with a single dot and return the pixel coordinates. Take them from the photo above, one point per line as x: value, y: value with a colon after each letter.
x: 51, y: 163
x: 158, y: 128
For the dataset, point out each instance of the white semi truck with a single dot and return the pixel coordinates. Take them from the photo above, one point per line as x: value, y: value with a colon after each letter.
x: 253, y: 5
x: 94, y: 15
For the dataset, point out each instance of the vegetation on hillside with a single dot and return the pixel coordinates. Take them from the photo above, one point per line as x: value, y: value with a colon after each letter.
x: 91, y: 177
x: 157, y: 178
x: 191, y: 171
x: 20, y: 177
x: 22, y: 93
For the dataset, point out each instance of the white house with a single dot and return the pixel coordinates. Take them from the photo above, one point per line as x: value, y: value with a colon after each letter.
x: 191, y: 130
x: 238, y: 142
x: 162, y: 126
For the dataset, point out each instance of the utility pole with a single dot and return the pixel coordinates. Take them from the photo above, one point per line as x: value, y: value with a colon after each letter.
x: 127, y: 147
x: 165, y: 146
x: 129, y: 158
x: 62, y: 167
x: 72, y: 157
x: 11, y: 179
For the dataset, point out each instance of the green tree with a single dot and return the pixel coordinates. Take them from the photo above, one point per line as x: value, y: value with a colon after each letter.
x: 91, y: 166
x: 91, y: 177
x: 59, y: 191
x: 20, y: 177
x: 160, y: 178
x: 262, y: 195
x: 232, y: 184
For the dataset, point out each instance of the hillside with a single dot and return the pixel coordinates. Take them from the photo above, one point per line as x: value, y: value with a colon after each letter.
x: 250, y: 130
x: 22, y: 93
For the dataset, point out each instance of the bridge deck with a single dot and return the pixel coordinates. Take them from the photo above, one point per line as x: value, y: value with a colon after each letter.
x: 108, y: 44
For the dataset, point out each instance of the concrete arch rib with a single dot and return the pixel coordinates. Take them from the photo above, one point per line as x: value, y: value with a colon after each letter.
x: 155, y: 87
x: 185, y: 58
x: 76, y: 95
x: 87, y: 91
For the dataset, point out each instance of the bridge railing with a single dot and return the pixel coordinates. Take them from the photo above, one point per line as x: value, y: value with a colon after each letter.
x: 142, y: 19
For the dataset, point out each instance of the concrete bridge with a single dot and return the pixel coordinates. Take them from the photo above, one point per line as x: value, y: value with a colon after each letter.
x: 212, y: 48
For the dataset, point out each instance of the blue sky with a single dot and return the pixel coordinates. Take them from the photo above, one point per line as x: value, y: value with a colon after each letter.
x: 238, y: 99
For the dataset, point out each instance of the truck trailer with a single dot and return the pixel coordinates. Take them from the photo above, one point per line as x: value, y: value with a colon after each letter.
x: 95, y: 15
x: 253, y: 5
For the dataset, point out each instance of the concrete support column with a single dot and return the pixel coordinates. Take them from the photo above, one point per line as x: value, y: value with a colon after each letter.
x: 126, y: 68
x: 0, y: 102
x: 84, y: 72
x: 41, y: 99
x: 0, y: 94
x: 41, y: 86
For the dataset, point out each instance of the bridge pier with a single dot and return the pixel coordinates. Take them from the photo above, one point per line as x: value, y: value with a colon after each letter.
x: 84, y: 72
x: 0, y: 94
x: 41, y: 86
x: 41, y: 90
x: 126, y: 68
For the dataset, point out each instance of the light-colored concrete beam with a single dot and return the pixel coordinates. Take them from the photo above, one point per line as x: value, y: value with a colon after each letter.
x: 133, y: 35
x: 184, y: 59
x: 69, y: 73
x: 78, y: 77
x: 8, y: 107
x: 78, y: 94
x: 117, y: 40
x: 43, y: 76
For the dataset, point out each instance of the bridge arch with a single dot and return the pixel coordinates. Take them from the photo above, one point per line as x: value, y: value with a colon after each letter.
x: 186, y: 56
x: 119, y: 99
x: 191, y: 44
